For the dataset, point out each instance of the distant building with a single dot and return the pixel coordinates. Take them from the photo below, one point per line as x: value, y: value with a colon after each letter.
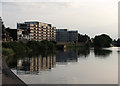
x: 20, y: 35
x: 73, y: 36
x: 36, y: 31
x: 65, y: 36
x: 62, y: 35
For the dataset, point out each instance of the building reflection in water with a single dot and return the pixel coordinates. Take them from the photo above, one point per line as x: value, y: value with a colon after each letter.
x: 70, y: 56
x: 35, y: 64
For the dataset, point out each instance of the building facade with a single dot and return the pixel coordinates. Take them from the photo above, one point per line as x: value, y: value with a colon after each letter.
x: 65, y: 36
x: 36, y: 31
x: 62, y: 35
x: 73, y: 36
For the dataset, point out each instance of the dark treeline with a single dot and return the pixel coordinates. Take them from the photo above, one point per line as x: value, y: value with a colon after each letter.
x: 20, y: 47
x: 85, y: 39
x: 99, y: 41
x: 102, y: 41
x: 116, y: 42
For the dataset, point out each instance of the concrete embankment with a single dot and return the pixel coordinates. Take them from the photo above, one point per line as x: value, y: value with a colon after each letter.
x: 8, y: 77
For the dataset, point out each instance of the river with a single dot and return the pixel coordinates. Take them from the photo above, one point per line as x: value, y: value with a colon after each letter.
x: 77, y: 66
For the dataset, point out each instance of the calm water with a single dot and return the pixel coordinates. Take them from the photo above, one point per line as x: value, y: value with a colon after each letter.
x: 78, y: 66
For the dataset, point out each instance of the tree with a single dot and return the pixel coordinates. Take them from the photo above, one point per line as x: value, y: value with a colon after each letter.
x: 102, y: 41
x: 83, y: 38
x: 118, y: 42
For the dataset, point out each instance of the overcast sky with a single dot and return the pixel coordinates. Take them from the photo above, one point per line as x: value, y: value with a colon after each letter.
x: 90, y: 17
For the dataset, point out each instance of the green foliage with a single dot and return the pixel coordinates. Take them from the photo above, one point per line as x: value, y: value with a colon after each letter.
x: 47, y: 45
x: 83, y: 38
x: 7, y: 51
x: 16, y: 46
x: 102, y: 41
x: 118, y: 42
x: 43, y: 45
x: 20, y: 47
x: 69, y: 45
x: 34, y: 45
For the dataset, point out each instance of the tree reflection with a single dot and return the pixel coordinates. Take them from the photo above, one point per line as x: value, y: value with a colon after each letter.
x: 102, y: 53
x: 83, y: 52
x: 72, y: 55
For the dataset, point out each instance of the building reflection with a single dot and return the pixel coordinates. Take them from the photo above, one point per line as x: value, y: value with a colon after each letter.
x: 64, y: 57
x: 35, y: 64
x: 69, y: 56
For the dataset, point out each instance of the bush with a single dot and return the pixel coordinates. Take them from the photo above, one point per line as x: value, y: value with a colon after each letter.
x: 47, y: 45
x: 15, y: 46
x: 34, y: 45
x: 7, y: 51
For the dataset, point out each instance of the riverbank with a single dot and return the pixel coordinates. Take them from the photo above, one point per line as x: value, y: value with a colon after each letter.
x: 8, y: 77
x: 9, y: 48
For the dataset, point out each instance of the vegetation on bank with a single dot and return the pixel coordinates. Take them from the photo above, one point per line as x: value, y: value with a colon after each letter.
x: 20, y: 47
x: 99, y: 41
x: 7, y: 51
x: 117, y: 42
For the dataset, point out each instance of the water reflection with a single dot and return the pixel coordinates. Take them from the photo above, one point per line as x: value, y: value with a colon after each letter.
x: 84, y: 52
x: 34, y: 63
x: 102, y: 53
x: 70, y: 56
x: 118, y: 52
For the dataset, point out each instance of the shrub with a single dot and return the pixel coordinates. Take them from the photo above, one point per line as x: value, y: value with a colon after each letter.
x: 7, y: 51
